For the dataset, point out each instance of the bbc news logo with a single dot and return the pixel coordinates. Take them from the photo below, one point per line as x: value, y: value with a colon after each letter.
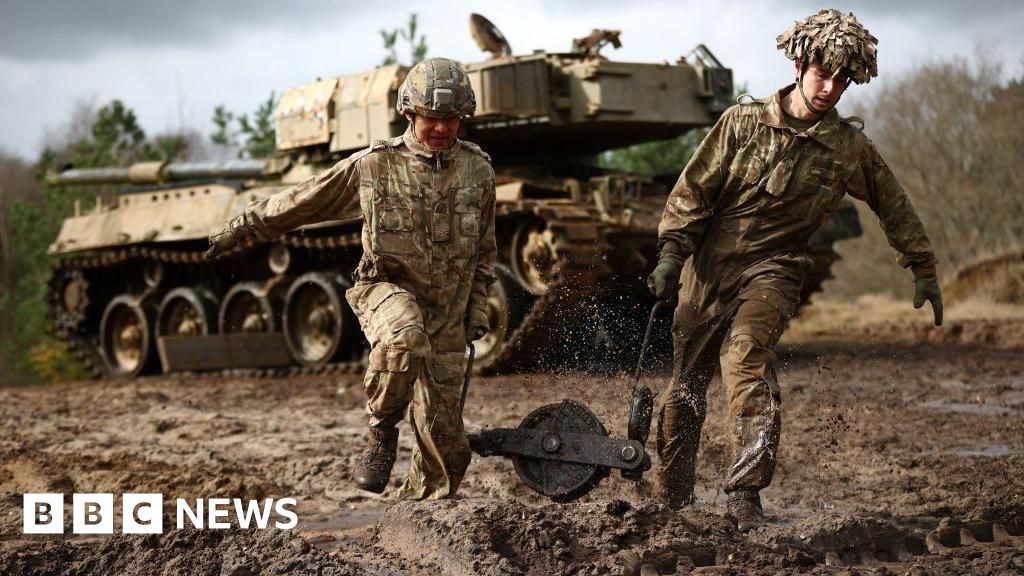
x: 144, y: 513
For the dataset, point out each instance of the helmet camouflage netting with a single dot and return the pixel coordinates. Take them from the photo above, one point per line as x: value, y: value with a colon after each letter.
x: 835, y: 41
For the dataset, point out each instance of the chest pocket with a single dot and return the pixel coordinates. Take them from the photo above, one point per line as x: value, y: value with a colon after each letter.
x: 807, y: 187
x: 467, y: 210
x: 394, y: 221
x: 748, y: 165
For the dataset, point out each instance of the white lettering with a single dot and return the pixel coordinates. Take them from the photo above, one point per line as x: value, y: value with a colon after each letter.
x: 184, y: 510
x: 280, y: 507
x: 217, y: 508
x: 252, y: 508
x: 42, y: 513
x: 143, y: 513
x: 92, y: 513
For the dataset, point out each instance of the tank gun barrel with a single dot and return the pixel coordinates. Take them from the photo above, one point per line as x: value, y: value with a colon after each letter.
x: 161, y: 172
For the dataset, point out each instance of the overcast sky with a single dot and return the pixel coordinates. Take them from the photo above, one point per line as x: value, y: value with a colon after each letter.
x: 172, y: 62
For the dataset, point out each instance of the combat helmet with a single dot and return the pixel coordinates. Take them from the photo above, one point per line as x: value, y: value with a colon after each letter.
x: 833, y: 40
x: 436, y: 87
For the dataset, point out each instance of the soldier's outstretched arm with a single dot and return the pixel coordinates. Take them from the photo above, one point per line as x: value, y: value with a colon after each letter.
x: 316, y: 199
x: 477, y: 322
x: 874, y: 183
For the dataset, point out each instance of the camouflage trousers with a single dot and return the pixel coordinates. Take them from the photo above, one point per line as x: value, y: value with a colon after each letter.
x: 742, y: 337
x: 405, y: 376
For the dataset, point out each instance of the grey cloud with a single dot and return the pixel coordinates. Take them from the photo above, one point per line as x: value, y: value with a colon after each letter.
x: 74, y: 30
x: 947, y: 13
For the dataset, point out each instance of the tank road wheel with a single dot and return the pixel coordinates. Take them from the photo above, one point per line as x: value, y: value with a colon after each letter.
x: 533, y: 257
x: 318, y: 326
x: 126, y: 337
x: 70, y: 299
x: 187, y: 312
x: 246, y: 308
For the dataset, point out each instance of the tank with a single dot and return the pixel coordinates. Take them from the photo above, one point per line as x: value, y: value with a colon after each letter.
x: 132, y: 294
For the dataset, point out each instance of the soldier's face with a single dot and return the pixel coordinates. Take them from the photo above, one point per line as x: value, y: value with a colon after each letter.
x: 436, y: 133
x: 822, y: 87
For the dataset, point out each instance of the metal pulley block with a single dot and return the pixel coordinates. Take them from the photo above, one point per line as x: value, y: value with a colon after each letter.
x: 561, y: 450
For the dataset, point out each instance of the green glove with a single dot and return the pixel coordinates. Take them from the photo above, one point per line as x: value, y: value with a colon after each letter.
x: 928, y: 289
x: 664, y: 280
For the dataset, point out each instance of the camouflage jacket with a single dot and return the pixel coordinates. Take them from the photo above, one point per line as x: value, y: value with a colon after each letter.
x: 428, y: 220
x: 756, y: 190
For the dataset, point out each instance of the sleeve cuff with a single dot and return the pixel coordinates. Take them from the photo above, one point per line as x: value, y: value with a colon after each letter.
x: 924, y: 271
x: 670, y: 250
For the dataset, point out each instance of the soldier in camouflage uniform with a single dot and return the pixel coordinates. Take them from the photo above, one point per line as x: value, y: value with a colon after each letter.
x: 427, y: 200
x: 736, y: 226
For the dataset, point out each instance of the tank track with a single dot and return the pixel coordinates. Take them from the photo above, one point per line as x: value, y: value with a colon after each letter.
x: 83, y: 346
x: 579, y: 248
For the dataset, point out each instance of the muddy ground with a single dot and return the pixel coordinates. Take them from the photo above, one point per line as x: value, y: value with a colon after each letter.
x: 902, y: 453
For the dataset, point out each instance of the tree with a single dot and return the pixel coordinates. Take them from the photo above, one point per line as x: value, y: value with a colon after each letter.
x: 417, y: 46
x: 656, y: 158
x: 31, y: 216
x: 952, y: 132
x: 255, y: 137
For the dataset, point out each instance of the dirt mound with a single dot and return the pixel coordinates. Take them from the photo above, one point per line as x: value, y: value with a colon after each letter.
x: 996, y: 279
x: 615, y: 537
x: 500, y: 537
x: 196, y: 552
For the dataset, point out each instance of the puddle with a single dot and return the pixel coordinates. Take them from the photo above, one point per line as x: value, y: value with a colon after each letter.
x: 990, y: 451
x: 967, y: 408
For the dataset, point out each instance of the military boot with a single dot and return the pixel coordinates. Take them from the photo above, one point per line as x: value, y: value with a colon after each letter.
x: 745, y: 508
x: 373, y: 469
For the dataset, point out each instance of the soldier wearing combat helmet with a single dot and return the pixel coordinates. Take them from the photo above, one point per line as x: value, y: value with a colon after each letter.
x: 733, y: 238
x: 427, y: 200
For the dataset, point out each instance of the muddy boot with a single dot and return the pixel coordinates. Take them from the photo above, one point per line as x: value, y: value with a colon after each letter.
x: 373, y: 469
x: 745, y: 508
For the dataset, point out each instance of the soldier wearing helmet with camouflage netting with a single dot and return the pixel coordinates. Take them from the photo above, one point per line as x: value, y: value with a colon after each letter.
x: 735, y: 228
x: 427, y: 201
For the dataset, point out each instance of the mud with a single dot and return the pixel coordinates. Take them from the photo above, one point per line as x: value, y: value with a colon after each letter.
x: 902, y: 453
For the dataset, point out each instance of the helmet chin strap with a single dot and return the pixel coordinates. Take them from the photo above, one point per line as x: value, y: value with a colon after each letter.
x: 810, y: 106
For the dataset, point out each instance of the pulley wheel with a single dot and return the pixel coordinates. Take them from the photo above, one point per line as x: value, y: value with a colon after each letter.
x: 561, y: 481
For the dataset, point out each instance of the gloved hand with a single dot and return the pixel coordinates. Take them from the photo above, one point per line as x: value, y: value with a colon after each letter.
x: 477, y: 325
x: 928, y: 289
x: 664, y: 280
x: 228, y: 237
